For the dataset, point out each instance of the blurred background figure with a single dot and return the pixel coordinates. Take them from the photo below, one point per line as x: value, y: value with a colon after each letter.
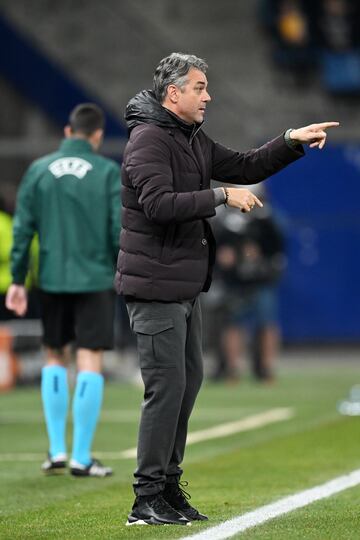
x: 339, y: 30
x: 250, y: 260
x: 293, y: 42
x: 315, y: 41
x: 339, y: 25
x: 71, y: 199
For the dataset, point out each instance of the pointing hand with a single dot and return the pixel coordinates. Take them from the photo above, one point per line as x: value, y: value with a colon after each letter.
x: 313, y: 135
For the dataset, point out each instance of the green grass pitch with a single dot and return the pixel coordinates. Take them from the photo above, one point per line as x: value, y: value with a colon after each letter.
x: 227, y: 477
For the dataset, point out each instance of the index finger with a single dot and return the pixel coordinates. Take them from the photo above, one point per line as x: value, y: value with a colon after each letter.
x: 325, y: 125
x: 258, y: 202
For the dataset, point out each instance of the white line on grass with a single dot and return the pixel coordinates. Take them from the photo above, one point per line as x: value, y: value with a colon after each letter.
x: 245, y: 424
x: 222, y: 430
x: 124, y: 415
x: 241, y: 523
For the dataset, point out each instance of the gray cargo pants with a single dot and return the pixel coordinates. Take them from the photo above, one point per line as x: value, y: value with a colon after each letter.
x: 170, y: 354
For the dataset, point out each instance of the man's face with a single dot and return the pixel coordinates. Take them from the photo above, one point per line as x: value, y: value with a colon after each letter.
x: 193, y: 97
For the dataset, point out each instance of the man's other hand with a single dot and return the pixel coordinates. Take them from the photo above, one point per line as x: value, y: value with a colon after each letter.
x: 16, y: 299
x: 313, y: 135
x: 242, y: 198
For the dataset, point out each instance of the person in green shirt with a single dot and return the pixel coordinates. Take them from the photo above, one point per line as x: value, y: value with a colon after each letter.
x: 71, y: 199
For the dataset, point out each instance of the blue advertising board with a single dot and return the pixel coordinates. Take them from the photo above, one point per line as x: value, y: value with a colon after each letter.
x: 319, y: 197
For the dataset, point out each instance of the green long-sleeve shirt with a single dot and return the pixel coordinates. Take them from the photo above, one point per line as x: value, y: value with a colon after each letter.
x: 71, y: 198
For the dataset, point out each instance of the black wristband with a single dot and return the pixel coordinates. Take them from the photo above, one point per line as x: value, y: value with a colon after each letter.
x: 226, y: 196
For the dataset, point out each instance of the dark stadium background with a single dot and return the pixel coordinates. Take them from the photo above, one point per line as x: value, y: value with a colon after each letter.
x: 56, y: 54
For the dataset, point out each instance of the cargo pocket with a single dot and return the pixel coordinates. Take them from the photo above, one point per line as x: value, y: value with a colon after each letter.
x: 155, y: 339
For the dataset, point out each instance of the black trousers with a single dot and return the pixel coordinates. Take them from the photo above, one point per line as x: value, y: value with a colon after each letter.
x: 170, y: 353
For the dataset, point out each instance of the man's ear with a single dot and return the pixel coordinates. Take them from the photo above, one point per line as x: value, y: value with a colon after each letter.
x: 96, y: 138
x: 68, y: 131
x: 173, y: 93
x: 99, y: 135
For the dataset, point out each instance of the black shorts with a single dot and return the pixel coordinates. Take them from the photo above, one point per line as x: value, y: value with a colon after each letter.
x: 86, y: 318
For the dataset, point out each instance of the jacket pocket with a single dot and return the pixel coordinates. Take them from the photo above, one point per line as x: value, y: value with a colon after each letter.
x: 155, y: 338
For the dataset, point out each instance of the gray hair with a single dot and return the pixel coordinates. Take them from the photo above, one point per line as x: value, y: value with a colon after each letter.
x: 173, y: 70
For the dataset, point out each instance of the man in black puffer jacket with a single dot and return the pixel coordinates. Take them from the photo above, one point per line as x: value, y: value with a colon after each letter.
x: 166, y: 256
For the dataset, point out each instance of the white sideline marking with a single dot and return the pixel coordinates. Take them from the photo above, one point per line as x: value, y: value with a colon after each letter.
x: 245, y: 424
x: 222, y: 430
x: 122, y: 416
x: 265, y: 513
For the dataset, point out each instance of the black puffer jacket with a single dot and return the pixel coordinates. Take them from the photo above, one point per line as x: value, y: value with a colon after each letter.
x: 166, y: 246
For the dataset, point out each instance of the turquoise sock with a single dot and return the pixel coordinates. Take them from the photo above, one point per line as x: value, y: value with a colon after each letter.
x: 86, y: 408
x: 55, y: 398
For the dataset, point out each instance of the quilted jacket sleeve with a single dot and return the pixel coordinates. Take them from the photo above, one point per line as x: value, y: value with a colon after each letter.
x: 148, y: 164
x: 255, y: 165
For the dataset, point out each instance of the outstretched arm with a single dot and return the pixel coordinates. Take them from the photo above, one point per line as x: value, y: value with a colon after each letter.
x: 260, y: 163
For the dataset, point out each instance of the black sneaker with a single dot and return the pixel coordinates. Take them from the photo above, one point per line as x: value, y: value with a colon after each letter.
x: 176, y: 496
x: 54, y: 465
x: 95, y: 469
x: 154, y: 510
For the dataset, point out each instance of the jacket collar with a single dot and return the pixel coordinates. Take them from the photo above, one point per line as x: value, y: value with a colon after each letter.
x: 144, y: 108
x: 190, y: 130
